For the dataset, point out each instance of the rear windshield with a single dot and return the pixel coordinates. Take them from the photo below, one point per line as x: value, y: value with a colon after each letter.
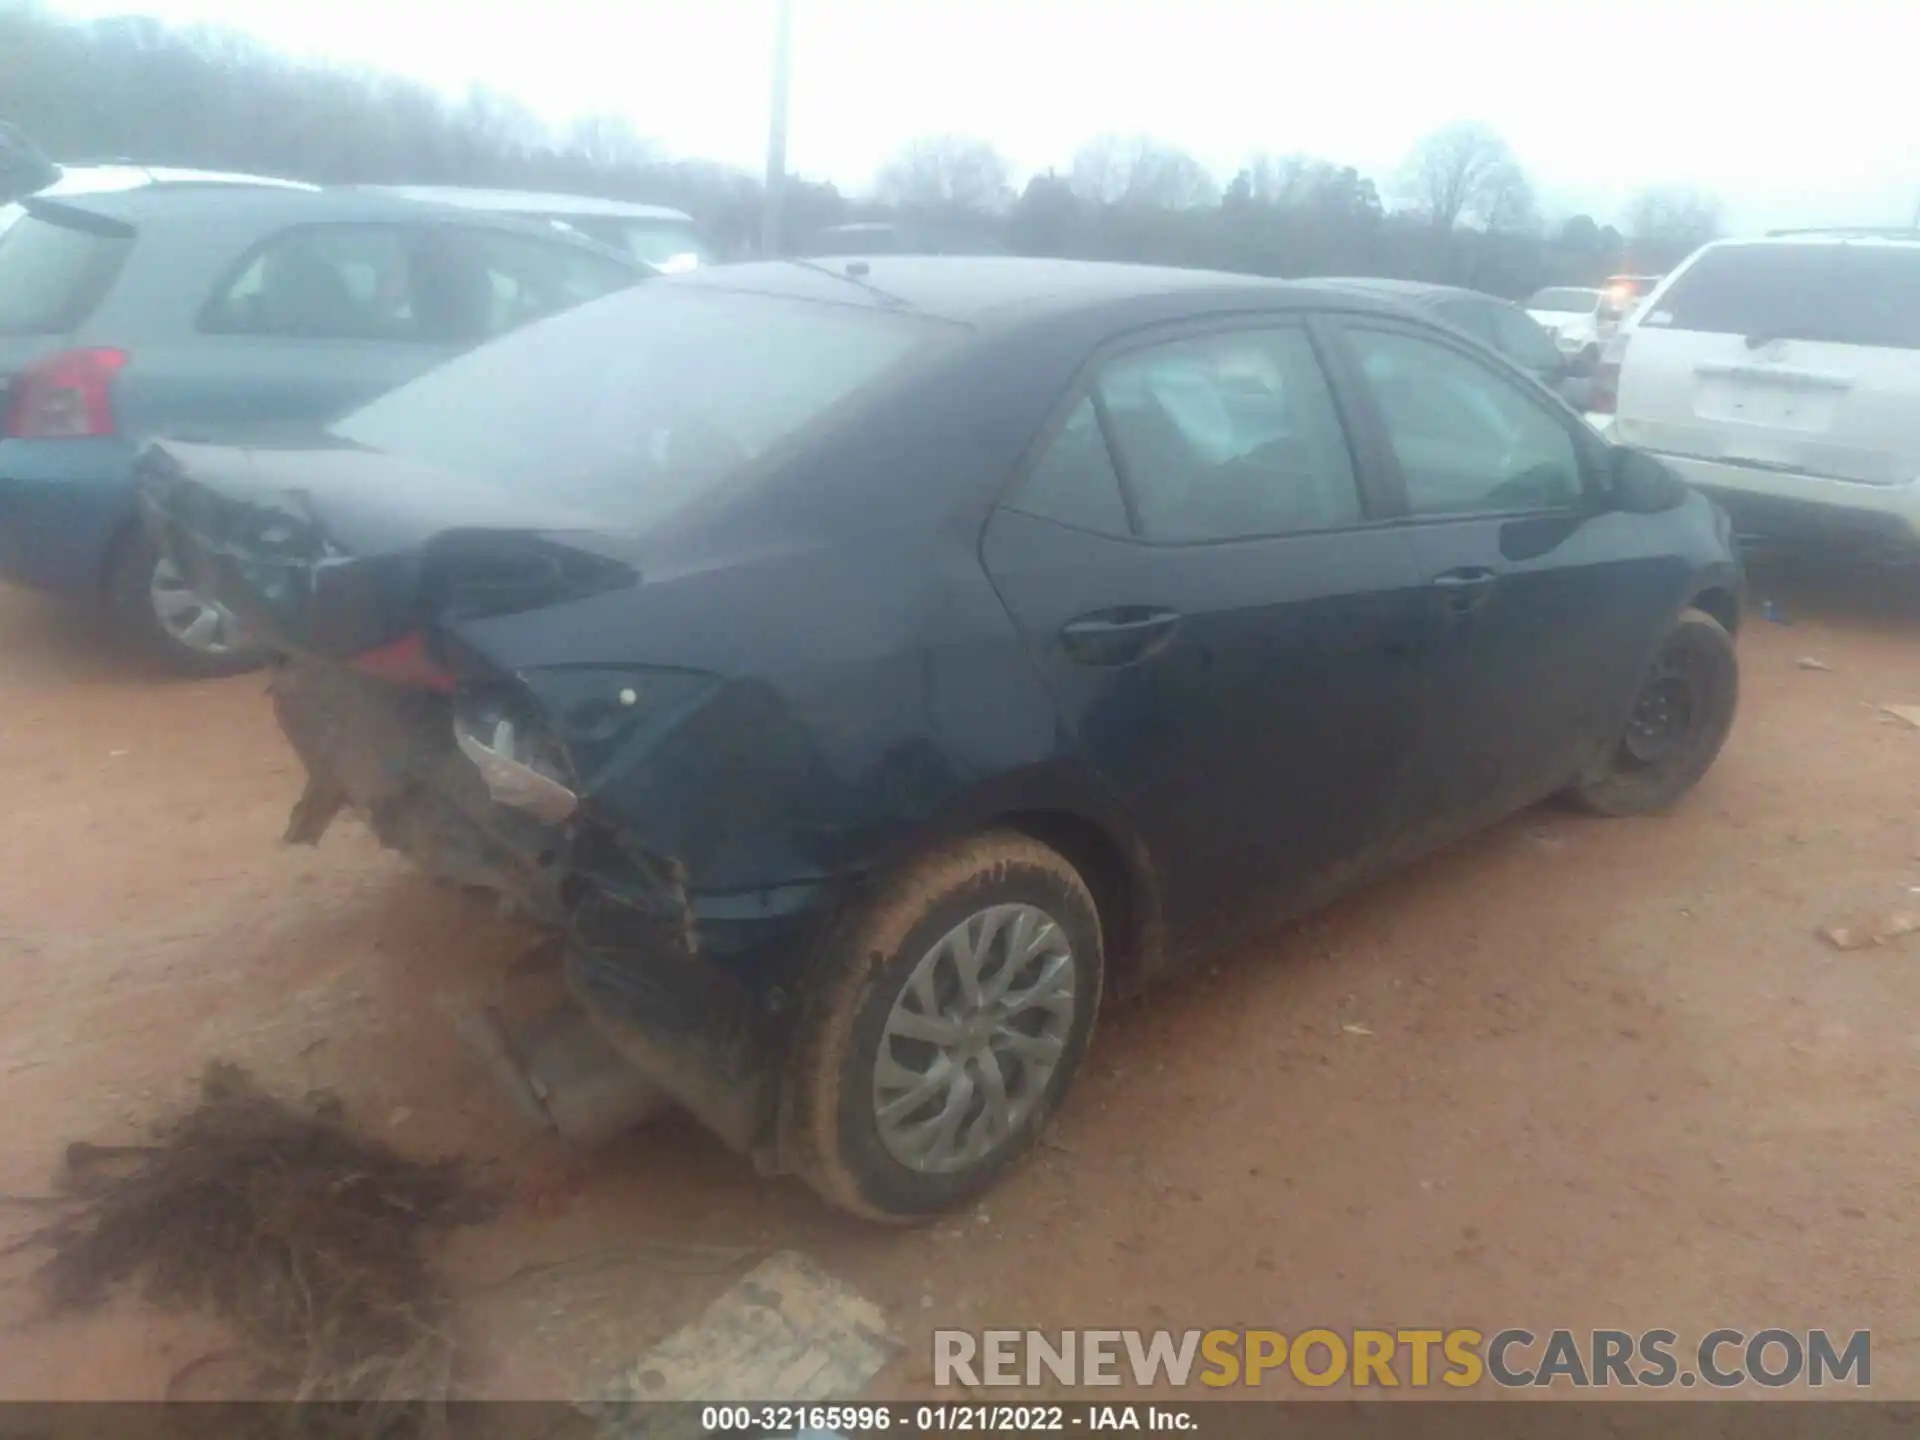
x: 1841, y: 294
x: 51, y: 276
x: 636, y: 405
x: 1571, y: 302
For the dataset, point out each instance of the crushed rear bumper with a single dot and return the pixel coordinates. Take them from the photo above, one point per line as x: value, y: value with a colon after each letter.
x: 696, y: 990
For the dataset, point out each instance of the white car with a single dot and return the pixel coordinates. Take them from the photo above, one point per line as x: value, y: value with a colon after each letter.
x: 1782, y: 377
x: 1579, y: 320
x: 667, y: 240
x: 100, y: 179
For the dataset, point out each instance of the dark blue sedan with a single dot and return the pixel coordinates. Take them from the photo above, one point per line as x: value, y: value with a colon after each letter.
x: 869, y: 666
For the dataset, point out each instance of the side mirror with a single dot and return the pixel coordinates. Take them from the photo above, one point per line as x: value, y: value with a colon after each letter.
x: 1640, y: 484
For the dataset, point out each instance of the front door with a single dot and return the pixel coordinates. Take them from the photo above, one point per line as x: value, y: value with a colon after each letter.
x: 1540, y: 603
x: 1229, y: 632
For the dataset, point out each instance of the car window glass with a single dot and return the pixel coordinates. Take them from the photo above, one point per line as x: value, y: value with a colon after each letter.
x: 52, y: 276
x: 1864, y: 294
x: 1468, y: 440
x: 666, y: 245
x: 324, y: 282
x: 1074, y: 481
x: 614, y: 407
x: 1230, y: 435
x: 1518, y: 336
x: 476, y: 283
x: 1471, y: 316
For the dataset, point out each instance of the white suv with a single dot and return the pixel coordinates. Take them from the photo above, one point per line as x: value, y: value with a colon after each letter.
x: 1782, y: 376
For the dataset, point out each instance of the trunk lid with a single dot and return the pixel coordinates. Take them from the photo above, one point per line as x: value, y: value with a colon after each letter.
x: 326, y: 548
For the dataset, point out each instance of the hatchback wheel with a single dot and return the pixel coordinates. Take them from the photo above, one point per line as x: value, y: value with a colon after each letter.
x: 171, y: 624
x: 946, y: 1023
x: 1680, y: 720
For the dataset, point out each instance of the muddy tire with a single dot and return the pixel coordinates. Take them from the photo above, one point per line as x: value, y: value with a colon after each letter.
x: 1679, y: 722
x: 945, y: 1023
x: 150, y: 610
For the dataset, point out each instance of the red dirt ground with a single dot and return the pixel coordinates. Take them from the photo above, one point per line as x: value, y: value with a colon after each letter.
x: 1612, y: 1078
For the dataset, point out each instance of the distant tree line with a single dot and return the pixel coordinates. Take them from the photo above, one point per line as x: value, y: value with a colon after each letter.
x: 1460, y: 210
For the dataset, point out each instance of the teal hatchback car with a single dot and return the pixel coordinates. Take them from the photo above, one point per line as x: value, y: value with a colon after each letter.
x: 204, y: 310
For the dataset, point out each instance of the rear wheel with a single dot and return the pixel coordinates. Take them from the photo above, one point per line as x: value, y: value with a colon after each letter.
x: 947, y: 1024
x: 156, y: 609
x: 1679, y: 722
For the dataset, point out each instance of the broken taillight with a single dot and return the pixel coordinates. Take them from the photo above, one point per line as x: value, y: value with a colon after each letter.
x: 521, y: 769
x: 64, y: 396
x: 405, y: 662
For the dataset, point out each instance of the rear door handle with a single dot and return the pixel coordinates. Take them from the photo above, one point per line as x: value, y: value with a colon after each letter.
x: 1120, y: 636
x: 1466, y: 588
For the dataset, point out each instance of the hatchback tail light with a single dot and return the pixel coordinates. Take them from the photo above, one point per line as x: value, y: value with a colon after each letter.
x: 64, y: 397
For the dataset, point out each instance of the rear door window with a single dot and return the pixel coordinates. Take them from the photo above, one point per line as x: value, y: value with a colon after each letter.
x: 1074, y: 482
x: 1841, y: 294
x: 52, y: 275
x: 325, y: 282
x: 1230, y: 436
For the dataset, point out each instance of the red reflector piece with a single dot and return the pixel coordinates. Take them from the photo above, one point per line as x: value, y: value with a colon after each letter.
x: 64, y: 396
x: 404, y: 662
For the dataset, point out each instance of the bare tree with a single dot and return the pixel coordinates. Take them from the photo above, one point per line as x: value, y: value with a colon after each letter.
x: 1673, y: 217
x: 1142, y: 172
x: 607, y: 141
x: 1466, y: 172
x: 946, y: 172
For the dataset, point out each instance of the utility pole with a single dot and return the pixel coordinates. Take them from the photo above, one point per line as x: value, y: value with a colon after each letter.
x: 777, y: 130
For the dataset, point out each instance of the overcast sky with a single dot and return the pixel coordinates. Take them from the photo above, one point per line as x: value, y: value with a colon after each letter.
x: 1793, y: 112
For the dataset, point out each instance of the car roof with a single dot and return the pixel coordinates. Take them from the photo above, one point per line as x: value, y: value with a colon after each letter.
x: 262, y: 206
x: 974, y: 289
x: 1896, y: 239
x: 527, y: 202
x: 1413, y: 292
x: 125, y: 175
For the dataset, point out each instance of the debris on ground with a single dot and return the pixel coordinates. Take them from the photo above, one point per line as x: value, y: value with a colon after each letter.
x: 785, y: 1332
x: 307, y: 1238
x: 1773, y: 613
x: 1356, y: 1029
x: 1909, y: 713
x: 1809, y: 662
x: 1873, y: 932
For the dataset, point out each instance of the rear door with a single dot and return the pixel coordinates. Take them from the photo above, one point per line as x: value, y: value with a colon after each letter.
x: 1540, y: 606
x: 1230, y: 632
x: 1791, y: 356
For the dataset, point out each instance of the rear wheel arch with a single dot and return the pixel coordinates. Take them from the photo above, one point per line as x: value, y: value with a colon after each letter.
x: 1117, y: 873
x: 1722, y: 604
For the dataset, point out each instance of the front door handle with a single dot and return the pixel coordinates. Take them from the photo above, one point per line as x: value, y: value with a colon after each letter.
x: 1119, y: 637
x: 1465, y: 589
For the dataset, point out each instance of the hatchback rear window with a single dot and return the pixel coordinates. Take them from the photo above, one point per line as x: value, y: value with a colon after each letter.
x: 1837, y: 293
x: 636, y: 405
x: 52, y: 276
